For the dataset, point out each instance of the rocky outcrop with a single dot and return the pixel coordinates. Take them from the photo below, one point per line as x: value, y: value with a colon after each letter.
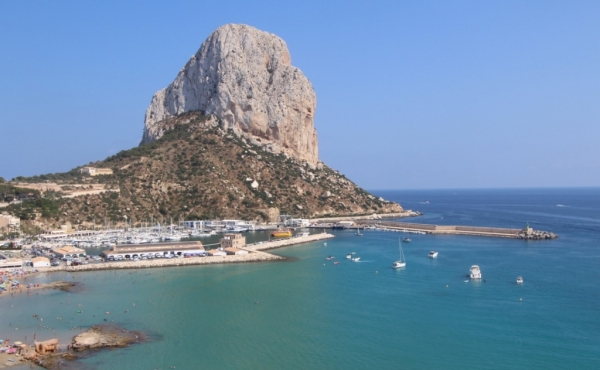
x: 243, y: 76
x: 101, y: 336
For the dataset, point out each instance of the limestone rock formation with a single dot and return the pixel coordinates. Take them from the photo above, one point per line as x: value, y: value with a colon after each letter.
x: 243, y: 76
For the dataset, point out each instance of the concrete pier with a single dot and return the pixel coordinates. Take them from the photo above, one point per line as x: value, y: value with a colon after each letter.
x: 496, y: 232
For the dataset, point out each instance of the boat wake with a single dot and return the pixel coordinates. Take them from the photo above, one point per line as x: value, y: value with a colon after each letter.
x: 362, y: 261
x: 561, y: 205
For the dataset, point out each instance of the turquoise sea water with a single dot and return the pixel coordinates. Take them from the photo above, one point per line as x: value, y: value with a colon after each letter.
x: 309, y: 313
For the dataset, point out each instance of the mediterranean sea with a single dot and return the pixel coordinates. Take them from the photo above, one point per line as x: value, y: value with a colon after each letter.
x: 307, y: 313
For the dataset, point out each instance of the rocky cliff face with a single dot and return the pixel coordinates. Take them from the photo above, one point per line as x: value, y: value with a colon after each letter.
x: 243, y: 76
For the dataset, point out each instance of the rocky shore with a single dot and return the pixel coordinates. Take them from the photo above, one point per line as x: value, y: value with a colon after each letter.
x: 536, y: 235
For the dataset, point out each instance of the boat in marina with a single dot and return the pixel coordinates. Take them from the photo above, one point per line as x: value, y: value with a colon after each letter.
x: 519, y: 280
x: 475, y: 272
x: 281, y: 233
x: 433, y: 254
x: 402, y: 261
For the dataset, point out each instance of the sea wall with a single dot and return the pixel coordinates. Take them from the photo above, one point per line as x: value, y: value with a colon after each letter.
x: 407, y: 213
x: 280, y: 243
x: 449, y: 229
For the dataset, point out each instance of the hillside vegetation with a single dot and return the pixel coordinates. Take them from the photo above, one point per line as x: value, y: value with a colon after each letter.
x: 198, y: 171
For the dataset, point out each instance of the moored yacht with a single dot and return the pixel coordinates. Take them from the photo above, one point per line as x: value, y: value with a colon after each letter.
x: 355, y: 259
x: 475, y: 272
x: 402, y: 261
x: 519, y: 280
x: 433, y: 254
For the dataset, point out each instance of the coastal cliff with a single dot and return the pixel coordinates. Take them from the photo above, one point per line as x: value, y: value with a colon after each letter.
x: 245, y: 78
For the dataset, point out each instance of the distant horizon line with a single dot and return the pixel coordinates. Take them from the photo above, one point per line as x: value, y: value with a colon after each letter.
x: 492, y: 188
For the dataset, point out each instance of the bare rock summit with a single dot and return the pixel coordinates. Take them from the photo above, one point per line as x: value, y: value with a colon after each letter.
x: 244, y: 77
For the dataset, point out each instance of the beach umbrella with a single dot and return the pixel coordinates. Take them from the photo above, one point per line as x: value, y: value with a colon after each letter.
x: 1, y: 340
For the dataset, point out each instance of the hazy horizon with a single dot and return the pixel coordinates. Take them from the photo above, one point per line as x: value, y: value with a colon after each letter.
x: 410, y: 96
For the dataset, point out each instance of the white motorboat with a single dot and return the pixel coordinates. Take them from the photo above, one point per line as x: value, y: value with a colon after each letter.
x: 349, y: 256
x: 475, y: 272
x: 355, y: 259
x: 407, y: 240
x: 433, y: 254
x: 519, y: 280
x: 402, y: 261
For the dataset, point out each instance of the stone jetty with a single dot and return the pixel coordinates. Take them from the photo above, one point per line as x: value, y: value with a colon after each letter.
x: 497, y: 232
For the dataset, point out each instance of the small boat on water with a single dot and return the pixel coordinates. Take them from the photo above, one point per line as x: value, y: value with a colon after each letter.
x: 358, y: 233
x: 281, y: 233
x: 355, y: 259
x: 475, y: 272
x: 401, y: 262
x: 349, y: 256
x: 433, y: 254
x: 519, y: 280
x: 330, y: 258
x: 407, y: 240
x: 336, y: 263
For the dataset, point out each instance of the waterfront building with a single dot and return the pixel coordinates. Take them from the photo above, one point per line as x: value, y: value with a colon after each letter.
x: 233, y: 241
x: 235, y: 251
x: 297, y: 222
x: 216, y: 252
x: 11, y: 263
x: 69, y: 251
x: 40, y: 262
x: 178, y: 249
x: 197, y: 224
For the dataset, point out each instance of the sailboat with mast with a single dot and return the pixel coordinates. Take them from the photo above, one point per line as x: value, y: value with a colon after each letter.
x: 402, y: 261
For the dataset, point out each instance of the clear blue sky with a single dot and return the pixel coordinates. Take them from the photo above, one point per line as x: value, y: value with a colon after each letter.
x: 410, y: 94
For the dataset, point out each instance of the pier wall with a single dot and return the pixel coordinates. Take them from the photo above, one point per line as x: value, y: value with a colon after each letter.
x: 449, y: 229
x: 280, y: 243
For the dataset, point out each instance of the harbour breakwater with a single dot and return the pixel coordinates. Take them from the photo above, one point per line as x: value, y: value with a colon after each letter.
x: 280, y: 243
x: 526, y: 233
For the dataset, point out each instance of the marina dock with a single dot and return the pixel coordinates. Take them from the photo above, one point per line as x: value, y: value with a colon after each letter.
x: 256, y: 255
